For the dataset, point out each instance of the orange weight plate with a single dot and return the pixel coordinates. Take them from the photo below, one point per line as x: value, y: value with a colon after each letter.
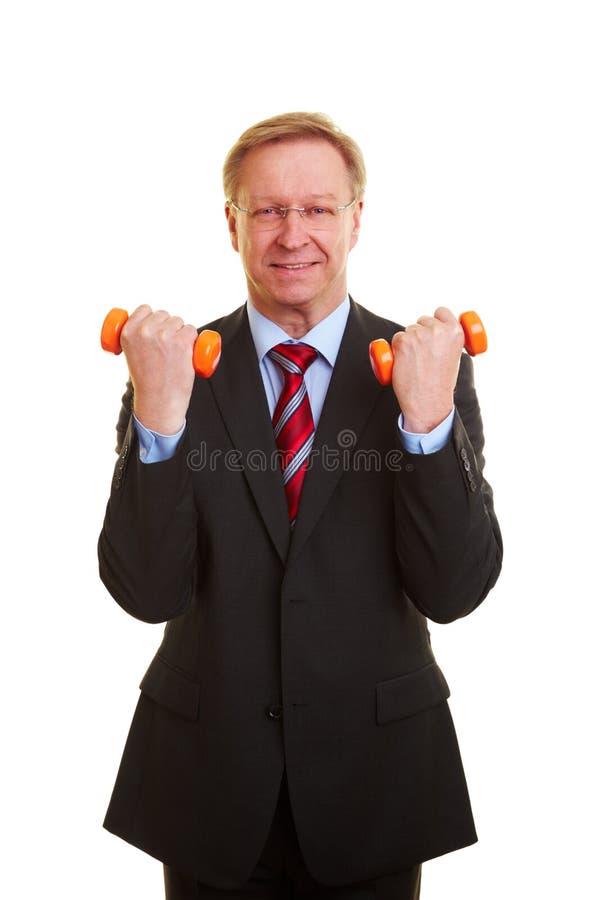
x: 475, y: 336
x: 382, y: 360
x: 207, y: 352
x: 110, y: 335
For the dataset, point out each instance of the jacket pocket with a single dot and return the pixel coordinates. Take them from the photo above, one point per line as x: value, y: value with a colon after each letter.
x: 410, y: 694
x: 171, y: 688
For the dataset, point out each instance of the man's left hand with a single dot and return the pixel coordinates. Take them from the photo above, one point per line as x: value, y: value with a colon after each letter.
x: 426, y: 361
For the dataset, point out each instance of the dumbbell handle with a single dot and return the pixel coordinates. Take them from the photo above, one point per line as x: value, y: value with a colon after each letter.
x: 205, y: 356
x: 382, y: 357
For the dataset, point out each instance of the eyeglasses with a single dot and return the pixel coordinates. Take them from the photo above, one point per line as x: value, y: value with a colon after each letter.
x: 316, y: 218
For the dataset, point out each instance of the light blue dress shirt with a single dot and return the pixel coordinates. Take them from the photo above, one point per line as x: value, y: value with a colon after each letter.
x: 326, y: 338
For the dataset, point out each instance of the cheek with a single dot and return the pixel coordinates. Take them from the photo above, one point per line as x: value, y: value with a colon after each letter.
x: 341, y: 248
x: 250, y: 250
x: 244, y: 249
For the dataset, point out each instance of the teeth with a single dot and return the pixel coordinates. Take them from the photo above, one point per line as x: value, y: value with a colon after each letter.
x: 298, y: 266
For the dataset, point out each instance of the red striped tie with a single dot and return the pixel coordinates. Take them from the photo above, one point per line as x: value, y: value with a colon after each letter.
x: 292, y: 420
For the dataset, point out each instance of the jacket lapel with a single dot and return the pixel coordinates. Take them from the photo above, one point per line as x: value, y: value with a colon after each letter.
x: 239, y: 392
x: 352, y: 393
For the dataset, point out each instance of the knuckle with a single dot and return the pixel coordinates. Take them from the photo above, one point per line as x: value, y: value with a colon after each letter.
x: 145, y: 328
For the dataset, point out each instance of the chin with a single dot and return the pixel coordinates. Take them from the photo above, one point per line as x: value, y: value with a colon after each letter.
x: 292, y: 297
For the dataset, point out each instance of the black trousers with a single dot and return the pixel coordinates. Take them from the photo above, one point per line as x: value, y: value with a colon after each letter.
x: 281, y: 874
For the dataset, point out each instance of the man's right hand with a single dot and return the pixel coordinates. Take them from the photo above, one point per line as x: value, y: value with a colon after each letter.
x: 158, y: 348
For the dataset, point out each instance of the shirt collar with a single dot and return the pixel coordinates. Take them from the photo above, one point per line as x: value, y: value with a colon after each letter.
x: 325, y: 337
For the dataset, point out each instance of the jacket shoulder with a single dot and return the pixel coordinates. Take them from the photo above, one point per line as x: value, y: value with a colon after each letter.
x: 228, y: 322
x: 374, y: 325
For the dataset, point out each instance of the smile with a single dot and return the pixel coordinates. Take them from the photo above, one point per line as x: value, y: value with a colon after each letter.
x: 296, y: 266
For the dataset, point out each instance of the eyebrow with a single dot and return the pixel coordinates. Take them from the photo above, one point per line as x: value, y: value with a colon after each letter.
x: 262, y: 198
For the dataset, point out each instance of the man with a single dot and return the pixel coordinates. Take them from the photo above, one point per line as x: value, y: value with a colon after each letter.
x: 295, y: 523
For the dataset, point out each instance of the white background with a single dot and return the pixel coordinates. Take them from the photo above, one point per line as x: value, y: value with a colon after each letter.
x: 479, y: 124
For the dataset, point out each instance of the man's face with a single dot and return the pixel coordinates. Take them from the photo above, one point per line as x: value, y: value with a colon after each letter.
x: 295, y: 266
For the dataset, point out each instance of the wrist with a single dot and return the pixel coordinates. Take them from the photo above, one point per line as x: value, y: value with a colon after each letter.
x: 424, y: 423
x: 162, y: 419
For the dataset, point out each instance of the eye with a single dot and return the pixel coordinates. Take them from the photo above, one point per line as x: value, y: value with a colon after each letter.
x: 267, y: 212
x: 320, y: 211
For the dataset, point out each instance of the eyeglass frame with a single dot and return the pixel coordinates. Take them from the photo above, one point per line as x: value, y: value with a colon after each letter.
x: 284, y: 210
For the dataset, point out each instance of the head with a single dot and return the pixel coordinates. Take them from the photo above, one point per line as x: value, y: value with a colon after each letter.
x: 295, y: 265
x: 294, y: 127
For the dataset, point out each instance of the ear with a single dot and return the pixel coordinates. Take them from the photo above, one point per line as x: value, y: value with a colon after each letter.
x: 232, y: 225
x: 356, y: 215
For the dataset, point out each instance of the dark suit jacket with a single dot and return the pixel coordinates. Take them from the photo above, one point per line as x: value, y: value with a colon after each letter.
x: 307, y: 651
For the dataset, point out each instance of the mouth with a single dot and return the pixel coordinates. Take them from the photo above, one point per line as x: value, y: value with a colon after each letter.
x: 293, y: 267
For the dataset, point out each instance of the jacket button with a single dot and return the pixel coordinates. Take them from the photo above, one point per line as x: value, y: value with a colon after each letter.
x: 275, y: 712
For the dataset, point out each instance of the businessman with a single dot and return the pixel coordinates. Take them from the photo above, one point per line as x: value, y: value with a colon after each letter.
x: 296, y: 524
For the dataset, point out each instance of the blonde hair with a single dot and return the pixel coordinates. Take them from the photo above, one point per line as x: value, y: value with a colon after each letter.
x: 290, y: 127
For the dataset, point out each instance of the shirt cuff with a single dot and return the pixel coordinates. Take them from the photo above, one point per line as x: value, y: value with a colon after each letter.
x: 156, y: 447
x: 426, y: 443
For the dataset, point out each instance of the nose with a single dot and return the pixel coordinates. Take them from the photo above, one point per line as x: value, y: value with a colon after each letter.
x: 292, y: 232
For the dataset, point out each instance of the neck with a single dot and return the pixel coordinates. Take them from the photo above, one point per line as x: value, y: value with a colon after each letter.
x: 296, y: 320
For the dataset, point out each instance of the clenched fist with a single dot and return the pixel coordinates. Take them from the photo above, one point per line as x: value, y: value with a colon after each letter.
x: 426, y: 361
x: 158, y: 348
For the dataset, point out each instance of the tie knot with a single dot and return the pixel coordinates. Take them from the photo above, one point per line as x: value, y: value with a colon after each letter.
x: 294, y: 358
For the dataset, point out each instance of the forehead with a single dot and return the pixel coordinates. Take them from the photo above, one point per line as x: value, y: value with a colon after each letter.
x: 292, y: 170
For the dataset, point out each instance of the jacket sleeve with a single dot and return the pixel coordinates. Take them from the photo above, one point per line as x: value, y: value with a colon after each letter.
x: 447, y: 536
x: 147, y: 549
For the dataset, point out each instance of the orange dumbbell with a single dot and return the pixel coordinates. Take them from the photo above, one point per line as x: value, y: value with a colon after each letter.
x: 205, y: 356
x: 382, y: 357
